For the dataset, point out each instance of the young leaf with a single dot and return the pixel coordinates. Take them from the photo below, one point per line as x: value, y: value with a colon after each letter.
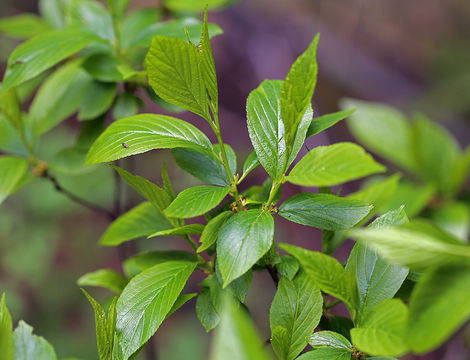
x: 297, y: 307
x: 27, y: 346
x: 251, y: 163
x: 326, y: 271
x: 384, y: 329
x: 417, y: 245
x: 180, y: 231
x: 140, y: 133
x: 106, y: 278
x: 97, y: 100
x: 147, y: 260
x: 42, y: 52
x: 173, y: 68
x: 180, y: 301
x: 205, y: 310
x: 439, y: 305
x: 6, y: 340
x: 297, y: 90
x: 324, y: 211
x: 326, y: 354
x: 207, y: 65
x: 383, y: 130
x: 376, y: 279
x: 146, y: 300
x: 211, y: 231
x: 329, y: 339
x: 236, y: 336
x: 333, y: 165
x: 243, y: 240
x: 23, y: 26
x: 326, y: 121
x: 142, y: 220
x: 414, y: 197
x: 196, y: 201
x: 13, y: 169
x: 288, y: 266
x: 153, y: 193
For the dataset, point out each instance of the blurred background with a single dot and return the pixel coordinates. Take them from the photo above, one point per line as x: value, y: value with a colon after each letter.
x: 414, y: 55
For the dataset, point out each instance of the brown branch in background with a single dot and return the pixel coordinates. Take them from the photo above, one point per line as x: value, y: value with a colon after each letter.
x: 273, y: 273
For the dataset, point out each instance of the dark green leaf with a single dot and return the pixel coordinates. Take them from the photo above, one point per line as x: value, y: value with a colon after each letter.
x: 126, y: 105
x: 211, y: 231
x: 23, y: 26
x: 103, y: 67
x: 6, y: 340
x: 324, y: 211
x: 180, y: 231
x: 146, y: 300
x: 27, y: 346
x: 97, y: 99
x: 326, y: 354
x: 243, y: 240
x: 106, y: 278
x: 144, y: 132
x: 329, y: 339
x: 13, y: 169
x: 205, y: 310
x: 326, y: 121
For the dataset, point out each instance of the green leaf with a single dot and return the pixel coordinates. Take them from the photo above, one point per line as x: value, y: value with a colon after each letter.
x: 180, y: 301
x: 167, y: 183
x: 414, y: 197
x: 51, y: 11
x: 126, y: 105
x: 384, y: 329
x: 117, y: 7
x: 329, y: 339
x: 288, y: 266
x: 135, y: 22
x: 238, y: 287
x: 27, y: 346
x: 11, y: 108
x: 58, y: 97
x: 418, y: 244
x: 326, y: 354
x: 196, y: 201
x: 243, y: 240
x: 208, y: 66
x: 297, y: 307
x: 194, y: 5
x: 103, y: 339
x: 453, y: 217
x: 142, y: 133
x: 153, y: 193
x: 142, y: 220
x: 103, y: 66
x: 211, y: 231
x: 10, y: 140
x: 439, y: 306
x: 205, y: 310
x: 147, y: 260
x: 97, y: 100
x: 266, y: 128
x: 106, y: 278
x: 180, y: 231
x: 236, y: 336
x: 146, y: 300
x: 173, y: 68
x: 297, y: 91
x: 326, y: 121
x: 6, y: 340
x: 42, y: 52
x: 23, y: 26
x: 324, y: 211
x: 435, y: 163
x: 251, y: 163
x: 383, y: 130
x: 206, y: 166
x: 333, y: 165
x: 13, y: 169
x: 376, y: 279
x: 326, y: 271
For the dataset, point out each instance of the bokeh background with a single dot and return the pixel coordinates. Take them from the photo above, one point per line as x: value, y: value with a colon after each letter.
x: 414, y: 55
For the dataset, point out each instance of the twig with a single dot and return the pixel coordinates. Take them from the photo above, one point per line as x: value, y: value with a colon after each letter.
x: 273, y: 273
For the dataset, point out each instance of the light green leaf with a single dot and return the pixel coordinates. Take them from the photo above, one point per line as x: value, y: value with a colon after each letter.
x: 194, y: 5
x: 196, y: 201
x: 117, y: 7
x: 324, y: 211
x: 439, y: 305
x: 142, y: 220
x: 13, y: 169
x: 288, y: 266
x: 59, y: 97
x: 207, y: 65
x: 376, y: 279
x: 6, y: 340
x: 205, y: 310
x: 453, y: 217
x: 243, y: 240
x: 180, y: 231
x: 23, y: 26
x: 42, y: 52
x: 27, y: 346
x: 173, y: 68
x: 236, y: 336
x: 326, y: 271
x: 326, y: 121
x: 333, y: 165
x: 97, y: 100
x: 149, y: 259
x: 103, y: 66
x: 211, y: 231
x: 297, y: 307
x: 383, y: 130
x: 51, y: 11
x: 135, y: 22
x: 384, y: 329
x: 153, y: 193
x: 251, y: 163
x: 297, y: 91
x: 11, y: 108
x: 142, y: 133
x: 329, y: 339
x: 106, y: 278
x: 326, y: 354
x: 417, y: 245
x: 146, y: 300
x: 180, y: 301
